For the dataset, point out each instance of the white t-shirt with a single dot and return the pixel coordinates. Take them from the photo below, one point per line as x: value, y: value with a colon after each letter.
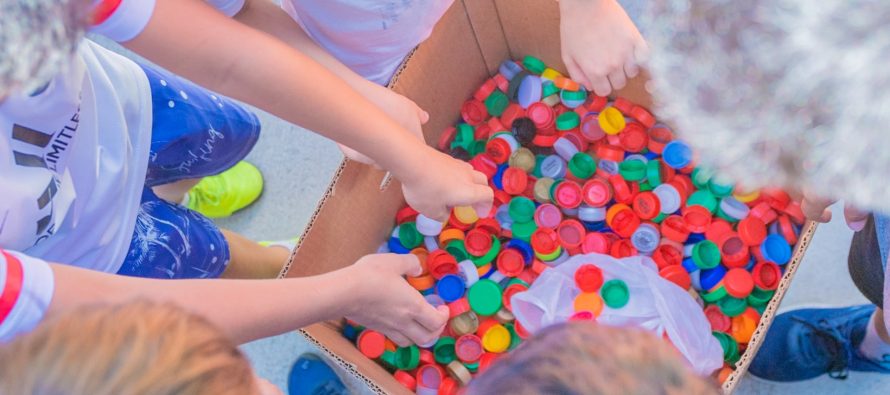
x: 371, y: 37
x: 73, y: 159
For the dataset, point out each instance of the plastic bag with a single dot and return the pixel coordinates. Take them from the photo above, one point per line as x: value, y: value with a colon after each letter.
x: 655, y: 304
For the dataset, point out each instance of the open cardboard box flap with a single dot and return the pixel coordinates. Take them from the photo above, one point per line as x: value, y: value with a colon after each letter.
x: 357, y: 212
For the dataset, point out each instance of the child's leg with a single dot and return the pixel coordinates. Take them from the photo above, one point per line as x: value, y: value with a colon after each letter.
x: 251, y: 260
x: 175, y: 191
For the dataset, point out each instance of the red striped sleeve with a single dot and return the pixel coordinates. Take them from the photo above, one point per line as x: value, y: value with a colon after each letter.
x: 103, y: 10
x: 13, y: 287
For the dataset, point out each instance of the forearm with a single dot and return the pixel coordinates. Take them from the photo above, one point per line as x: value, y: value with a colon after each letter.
x: 244, y: 309
x: 191, y: 39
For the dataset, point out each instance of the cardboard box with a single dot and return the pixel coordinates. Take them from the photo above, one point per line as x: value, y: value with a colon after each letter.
x: 357, y: 212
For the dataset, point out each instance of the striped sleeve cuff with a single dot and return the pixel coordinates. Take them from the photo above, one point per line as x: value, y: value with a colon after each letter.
x: 26, y: 290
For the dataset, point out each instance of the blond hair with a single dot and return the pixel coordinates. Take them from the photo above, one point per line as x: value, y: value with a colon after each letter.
x: 136, y: 348
x: 584, y: 358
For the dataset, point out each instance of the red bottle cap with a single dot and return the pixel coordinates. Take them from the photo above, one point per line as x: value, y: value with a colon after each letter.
x: 520, y: 330
x: 622, y: 249
x: 510, y: 291
x: 458, y: 307
x: 738, y: 283
x: 634, y: 137
x: 571, y: 234
x: 406, y: 214
x: 718, y: 228
x: 795, y: 212
x: 484, y: 164
x: 372, y: 344
x: 734, y: 251
x: 541, y: 115
x: 548, y: 216
x: 485, y: 325
x: 426, y: 357
x: 767, y: 275
x: 487, y: 87
x: 683, y: 184
x: 446, y: 138
x: 429, y: 375
x: 449, y: 385
x: 776, y: 198
x: 468, y: 348
x: 482, y: 132
x: 589, y: 278
x: 643, y: 116
x: 545, y: 140
x: 477, y: 242
x: 544, y: 241
x: 697, y: 218
x: 510, y: 262
x: 620, y: 188
x: 596, y: 103
x: 567, y: 194
x: 787, y: 230
x: 677, y: 275
x: 495, y: 125
x: 623, y: 105
x: 764, y: 212
x: 486, y: 361
x: 498, y: 150
x: 515, y: 180
x: 646, y: 205
x: 596, y: 192
x: 596, y: 242
x: 658, y: 138
x: 719, y: 321
x: 609, y: 152
x: 489, y: 225
x: 752, y: 231
x: 441, y: 263
x: 405, y: 379
x: 674, y: 228
x: 473, y: 112
x: 667, y: 255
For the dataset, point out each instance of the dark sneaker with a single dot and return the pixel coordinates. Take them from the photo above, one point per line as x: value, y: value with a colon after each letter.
x: 310, y: 375
x: 807, y: 343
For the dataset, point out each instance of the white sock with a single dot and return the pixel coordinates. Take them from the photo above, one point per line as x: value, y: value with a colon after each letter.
x: 185, y: 200
x: 873, y: 347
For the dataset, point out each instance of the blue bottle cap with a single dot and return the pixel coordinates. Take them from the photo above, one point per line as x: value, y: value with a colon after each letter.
x: 591, y: 214
x: 677, y: 154
x: 523, y: 247
x: 396, y: 247
x: 645, y: 239
x: 529, y: 91
x: 711, y: 277
x: 509, y: 69
x: 498, y: 178
x: 608, y: 166
x: 776, y: 249
x: 689, y: 265
x: 696, y: 280
x: 695, y: 238
x: 553, y: 166
x: 451, y: 287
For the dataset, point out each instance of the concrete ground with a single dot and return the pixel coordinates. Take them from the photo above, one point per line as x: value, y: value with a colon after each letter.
x: 298, y: 165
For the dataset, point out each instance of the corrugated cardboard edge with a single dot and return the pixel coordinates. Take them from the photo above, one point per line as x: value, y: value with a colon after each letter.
x: 766, y: 319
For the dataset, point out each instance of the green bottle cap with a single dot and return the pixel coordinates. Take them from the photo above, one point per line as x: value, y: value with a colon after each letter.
x: 409, y: 237
x: 537, y: 170
x: 551, y: 256
x: 653, y: 172
x: 407, y: 358
x: 515, y: 83
x: 517, y: 280
x: 715, y: 296
x: 389, y: 358
x: 477, y: 147
x: 582, y: 165
x: 704, y: 198
x: 457, y: 249
x: 660, y: 218
x: 645, y: 186
x: 515, y: 340
x: 464, y: 136
x: 443, y: 351
x: 496, y: 103
x: 521, y: 209
x: 760, y: 297
x: 548, y: 89
x: 720, y: 187
x: 579, y: 95
x: 490, y: 255
x: 760, y: 309
x: 472, y: 367
x: 706, y: 254
x: 731, y: 306
x: 729, y: 345
x: 615, y: 293
x: 722, y: 215
x: 700, y: 177
x: 534, y: 64
x: 551, y: 194
x: 567, y: 120
x: 485, y: 297
x: 632, y: 170
x: 523, y: 230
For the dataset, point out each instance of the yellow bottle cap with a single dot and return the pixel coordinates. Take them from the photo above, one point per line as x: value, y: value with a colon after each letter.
x: 550, y: 74
x: 466, y: 215
x: 591, y: 302
x: 611, y: 120
x: 496, y: 339
x: 746, y: 197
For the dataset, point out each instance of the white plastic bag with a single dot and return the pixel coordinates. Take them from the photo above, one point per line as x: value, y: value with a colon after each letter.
x: 655, y: 304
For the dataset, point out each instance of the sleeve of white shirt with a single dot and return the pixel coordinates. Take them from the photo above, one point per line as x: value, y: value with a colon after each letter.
x: 26, y: 289
x: 123, y: 20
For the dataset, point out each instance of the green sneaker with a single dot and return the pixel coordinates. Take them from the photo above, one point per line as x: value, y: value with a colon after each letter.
x: 227, y: 192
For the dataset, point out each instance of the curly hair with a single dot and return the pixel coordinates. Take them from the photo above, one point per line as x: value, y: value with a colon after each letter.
x: 37, y: 39
x: 140, y: 348
x: 788, y: 93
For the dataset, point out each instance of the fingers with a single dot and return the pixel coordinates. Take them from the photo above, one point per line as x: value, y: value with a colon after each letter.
x: 576, y: 72
x: 423, y: 115
x: 815, y: 208
x: 617, y: 79
x: 399, y: 339
x: 408, y: 265
x: 855, y: 219
x: 480, y: 198
x: 601, y: 86
x: 480, y: 178
x: 631, y: 68
x: 431, y: 318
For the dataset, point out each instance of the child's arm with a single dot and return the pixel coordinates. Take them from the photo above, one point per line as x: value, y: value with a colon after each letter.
x: 601, y: 47
x: 371, y: 292
x: 191, y: 39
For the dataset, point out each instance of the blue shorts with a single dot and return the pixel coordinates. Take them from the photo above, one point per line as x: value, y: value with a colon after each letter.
x: 195, y: 133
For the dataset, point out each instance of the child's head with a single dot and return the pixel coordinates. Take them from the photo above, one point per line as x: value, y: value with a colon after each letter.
x: 137, y: 348
x: 583, y: 359
x: 37, y: 38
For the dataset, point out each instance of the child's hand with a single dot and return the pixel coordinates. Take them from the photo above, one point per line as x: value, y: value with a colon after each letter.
x: 440, y: 182
x: 384, y: 301
x: 400, y: 108
x: 601, y: 47
x: 817, y: 209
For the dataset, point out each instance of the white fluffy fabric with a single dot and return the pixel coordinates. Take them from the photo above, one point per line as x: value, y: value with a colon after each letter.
x: 794, y: 93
